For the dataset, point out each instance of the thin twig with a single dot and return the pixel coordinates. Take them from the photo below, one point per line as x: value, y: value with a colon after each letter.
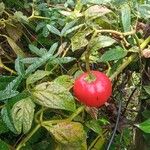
x: 22, y: 143
x: 116, y: 32
x: 6, y: 68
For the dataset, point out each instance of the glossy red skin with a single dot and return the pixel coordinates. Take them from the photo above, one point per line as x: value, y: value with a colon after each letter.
x: 95, y: 93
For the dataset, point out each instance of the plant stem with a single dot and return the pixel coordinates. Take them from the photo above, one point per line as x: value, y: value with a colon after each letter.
x: 129, y: 59
x: 37, y: 17
x: 76, y: 113
x: 6, y: 68
x: 87, y: 55
x: 33, y: 14
x: 116, y: 32
x: 40, y: 112
x: 123, y: 66
x: 22, y: 143
x: 99, y: 139
x: 87, y: 60
x: 145, y: 43
x: 52, y: 122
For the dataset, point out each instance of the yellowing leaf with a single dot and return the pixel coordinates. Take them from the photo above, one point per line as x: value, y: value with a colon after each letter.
x: 100, y: 42
x: 14, y: 32
x: 39, y: 74
x: 15, y: 47
x: 70, y: 134
x: 2, y: 8
x: 79, y: 40
x: 22, y: 115
x: 53, y: 95
x: 20, y: 16
x: 97, y: 10
x: 65, y: 81
x: 144, y: 11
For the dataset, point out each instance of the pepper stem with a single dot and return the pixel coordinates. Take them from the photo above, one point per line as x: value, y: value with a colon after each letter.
x: 90, y: 77
x: 87, y: 59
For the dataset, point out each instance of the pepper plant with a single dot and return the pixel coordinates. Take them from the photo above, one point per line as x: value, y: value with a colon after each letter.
x: 46, y: 46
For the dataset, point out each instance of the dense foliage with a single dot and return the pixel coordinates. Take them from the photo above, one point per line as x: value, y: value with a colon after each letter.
x: 45, y: 45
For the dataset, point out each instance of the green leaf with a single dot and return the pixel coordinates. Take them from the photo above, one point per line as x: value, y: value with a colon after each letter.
x: 14, y: 84
x: 40, y: 26
x: 126, y: 17
x: 147, y: 89
x: 97, y: 10
x: 65, y: 81
x: 67, y: 27
x: 6, y: 113
x: 146, y: 114
x: 114, y: 67
x: 65, y: 13
x: 73, y: 29
x: 95, y: 1
x: 103, y: 121
x: 38, y: 75
x: 43, y: 50
x: 144, y: 126
x: 53, y: 95
x: 94, y: 125
x: 41, y: 61
x: 19, y: 67
x: 69, y: 3
x: 8, y: 120
x: 10, y: 90
x: 52, y: 29
x: 24, y: 94
x: 79, y: 39
x: 37, y: 51
x: 2, y: 8
x: 5, y: 80
x: 78, y: 7
x: 23, y: 114
x: 45, y: 31
x: 3, y: 127
x: 113, y: 54
x: 63, y: 60
x: 53, y: 48
x: 3, y: 145
x: 94, y: 57
x: 144, y: 11
x: 69, y: 134
x: 7, y: 94
x: 29, y: 60
x: 100, y: 142
x: 101, y: 42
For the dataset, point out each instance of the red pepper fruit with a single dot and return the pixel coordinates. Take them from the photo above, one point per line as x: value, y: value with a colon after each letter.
x: 93, y: 93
